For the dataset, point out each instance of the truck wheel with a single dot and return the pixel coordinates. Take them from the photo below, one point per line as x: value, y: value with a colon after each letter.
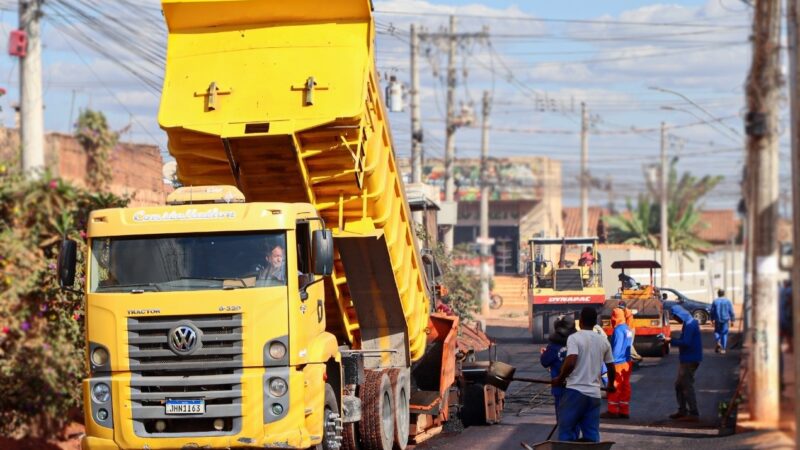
x: 401, y: 386
x: 495, y: 301
x: 350, y: 437
x: 332, y: 422
x: 537, y: 333
x: 377, y: 412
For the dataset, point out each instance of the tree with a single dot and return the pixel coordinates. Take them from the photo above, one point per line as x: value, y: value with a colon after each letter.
x: 41, y: 326
x: 636, y: 226
x: 97, y: 140
x: 641, y: 225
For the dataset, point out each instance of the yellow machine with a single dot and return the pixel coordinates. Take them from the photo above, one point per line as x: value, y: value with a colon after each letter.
x: 559, y: 286
x: 279, y: 300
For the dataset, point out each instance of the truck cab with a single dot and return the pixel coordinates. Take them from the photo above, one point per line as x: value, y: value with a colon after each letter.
x: 202, y: 312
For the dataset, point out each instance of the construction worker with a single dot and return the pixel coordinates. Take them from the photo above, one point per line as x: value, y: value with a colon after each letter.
x: 553, y: 355
x: 587, y: 257
x: 632, y: 327
x: 621, y: 343
x: 690, y: 344
x: 579, y: 410
x: 722, y: 315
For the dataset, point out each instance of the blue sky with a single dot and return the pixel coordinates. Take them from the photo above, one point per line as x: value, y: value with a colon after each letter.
x: 698, y: 48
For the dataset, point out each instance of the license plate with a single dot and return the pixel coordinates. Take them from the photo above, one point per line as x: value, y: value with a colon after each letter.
x: 186, y: 407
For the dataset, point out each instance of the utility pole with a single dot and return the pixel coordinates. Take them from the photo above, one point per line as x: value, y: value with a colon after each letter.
x: 584, y: 170
x: 451, y: 122
x: 485, y: 247
x: 450, y: 129
x: 664, y: 208
x: 763, y: 91
x: 416, y: 120
x: 793, y: 22
x: 30, y: 80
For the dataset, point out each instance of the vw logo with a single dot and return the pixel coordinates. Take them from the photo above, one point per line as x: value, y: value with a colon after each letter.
x: 184, y: 339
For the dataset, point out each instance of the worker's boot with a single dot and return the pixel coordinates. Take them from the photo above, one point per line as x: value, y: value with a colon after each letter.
x: 609, y: 415
x: 718, y: 348
x: 677, y: 415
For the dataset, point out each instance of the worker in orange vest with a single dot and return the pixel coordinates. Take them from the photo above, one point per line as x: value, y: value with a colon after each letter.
x: 619, y: 400
x: 629, y: 321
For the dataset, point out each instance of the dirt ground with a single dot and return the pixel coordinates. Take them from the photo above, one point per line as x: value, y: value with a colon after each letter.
x: 69, y: 439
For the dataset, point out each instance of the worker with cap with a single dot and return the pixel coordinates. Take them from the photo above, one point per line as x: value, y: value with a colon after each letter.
x: 621, y: 343
x: 632, y: 327
x: 553, y: 355
x: 690, y: 344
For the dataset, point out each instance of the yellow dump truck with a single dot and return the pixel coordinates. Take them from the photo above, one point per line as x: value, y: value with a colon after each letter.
x: 278, y: 300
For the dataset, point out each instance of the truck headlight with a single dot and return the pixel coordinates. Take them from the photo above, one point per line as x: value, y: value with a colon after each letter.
x: 99, y: 356
x: 278, y: 387
x: 277, y: 350
x: 101, y: 393
x: 655, y: 323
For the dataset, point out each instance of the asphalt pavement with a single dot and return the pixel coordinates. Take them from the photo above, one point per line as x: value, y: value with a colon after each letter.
x: 530, y: 416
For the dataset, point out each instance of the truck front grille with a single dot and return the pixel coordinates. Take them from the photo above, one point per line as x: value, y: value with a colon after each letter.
x: 212, y: 373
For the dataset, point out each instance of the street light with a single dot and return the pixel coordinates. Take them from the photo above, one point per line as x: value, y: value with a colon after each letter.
x: 705, y: 111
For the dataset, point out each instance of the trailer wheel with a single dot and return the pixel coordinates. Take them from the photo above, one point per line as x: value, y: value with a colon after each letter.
x: 401, y: 385
x: 377, y: 412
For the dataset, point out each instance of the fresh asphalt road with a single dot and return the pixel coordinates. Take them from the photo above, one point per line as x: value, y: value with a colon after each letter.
x: 529, y: 413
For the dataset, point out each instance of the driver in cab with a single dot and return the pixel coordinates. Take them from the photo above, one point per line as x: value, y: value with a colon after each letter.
x: 276, y: 268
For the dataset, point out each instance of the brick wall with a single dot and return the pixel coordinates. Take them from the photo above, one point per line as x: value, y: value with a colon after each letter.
x: 136, y: 167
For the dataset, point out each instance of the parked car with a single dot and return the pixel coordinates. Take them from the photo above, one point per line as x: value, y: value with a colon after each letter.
x: 701, y: 311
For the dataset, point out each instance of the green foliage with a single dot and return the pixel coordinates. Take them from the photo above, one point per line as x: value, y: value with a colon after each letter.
x: 41, y: 326
x: 635, y: 227
x: 463, y: 288
x: 93, y: 134
x: 641, y: 225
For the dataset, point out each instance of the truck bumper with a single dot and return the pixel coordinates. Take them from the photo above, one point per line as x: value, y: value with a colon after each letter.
x: 282, y: 441
x: 257, y: 429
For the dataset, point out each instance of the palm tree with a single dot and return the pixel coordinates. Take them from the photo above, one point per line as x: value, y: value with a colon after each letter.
x: 636, y: 225
x: 641, y: 225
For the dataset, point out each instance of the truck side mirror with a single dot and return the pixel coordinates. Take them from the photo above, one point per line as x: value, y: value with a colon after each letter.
x: 322, y: 252
x: 67, y: 260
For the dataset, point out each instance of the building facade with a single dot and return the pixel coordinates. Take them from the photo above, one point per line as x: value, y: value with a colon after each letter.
x: 525, y: 200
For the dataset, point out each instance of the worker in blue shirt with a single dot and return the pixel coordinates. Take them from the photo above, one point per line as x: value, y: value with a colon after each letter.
x: 553, y: 355
x: 722, y: 315
x: 619, y: 402
x: 690, y: 344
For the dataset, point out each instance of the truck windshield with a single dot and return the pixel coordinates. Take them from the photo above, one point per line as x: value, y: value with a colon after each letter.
x: 188, y: 262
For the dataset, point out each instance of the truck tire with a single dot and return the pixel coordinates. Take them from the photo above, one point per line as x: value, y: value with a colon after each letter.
x: 331, y: 436
x: 537, y: 333
x: 401, y: 385
x: 377, y: 412
x: 350, y: 436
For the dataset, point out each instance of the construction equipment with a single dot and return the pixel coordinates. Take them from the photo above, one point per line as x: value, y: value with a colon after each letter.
x: 650, y: 319
x: 279, y: 299
x: 559, y: 286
